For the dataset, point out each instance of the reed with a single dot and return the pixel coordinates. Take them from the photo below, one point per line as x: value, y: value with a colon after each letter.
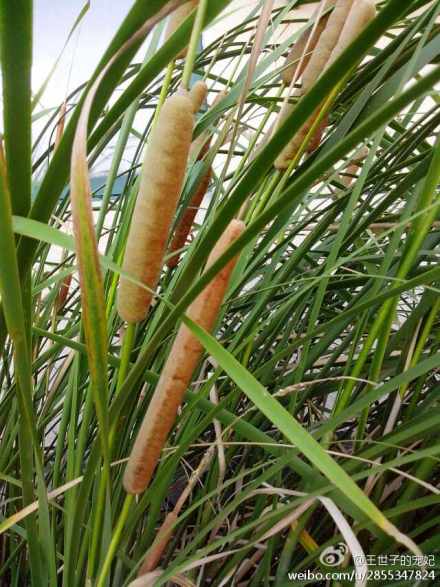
x: 161, y: 182
x: 344, y: 25
x: 178, y: 370
x: 321, y: 378
x: 299, y: 55
x: 186, y: 223
x: 198, y: 94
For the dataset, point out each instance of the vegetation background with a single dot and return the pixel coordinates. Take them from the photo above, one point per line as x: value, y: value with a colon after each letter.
x: 313, y: 418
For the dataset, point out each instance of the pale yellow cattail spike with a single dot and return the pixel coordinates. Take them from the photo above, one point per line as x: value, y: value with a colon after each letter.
x: 177, y: 373
x: 222, y: 94
x: 361, y: 154
x: 326, y: 43
x: 200, y: 145
x: 353, y: 166
x: 176, y: 19
x: 185, y: 225
x: 305, y: 43
x: 361, y: 14
x: 284, y: 158
x: 161, y: 181
x: 198, y: 94
x: 199, y: 148
x: 356, y: 19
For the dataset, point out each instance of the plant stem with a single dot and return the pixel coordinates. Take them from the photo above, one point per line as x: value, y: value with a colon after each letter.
x: 194, y: 43
x: 115, y: 540
x: 127, y: 347
x: 163, y: 92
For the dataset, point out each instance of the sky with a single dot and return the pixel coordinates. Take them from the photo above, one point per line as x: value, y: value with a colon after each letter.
x: 52, y: 23
x: 53, y: 20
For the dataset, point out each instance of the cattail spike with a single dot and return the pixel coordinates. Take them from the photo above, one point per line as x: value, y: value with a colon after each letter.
x: 178, y: 370
x: 184, y: 227
x: 361, y: 14
x: 284, y: 158
x: 326, y: 43
x: 316, y: 138
x: 305, y: 41
x: 163, y: 173
x: 198, y: 94
x: 199, y: 148
x: 222, y: 94
x: 63, y: 292
x: 345, y: 23
x: 351, y: 171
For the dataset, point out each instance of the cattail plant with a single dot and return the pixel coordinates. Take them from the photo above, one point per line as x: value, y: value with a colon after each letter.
x: 178, y: 370
x: 328, y: 330
x: 200, y: 145
x: 198, y: 94
x: 315, y: 66
x: 352, y: 169
x: 176, y: 19
x: 184, y: 226
x: 63, y: 293
x: 316, y: 138
x: 304, y: 47
x: 291, y: 149
x: 163, y: 172
x: 344, y: 25
x: 361, y: 14
x: 326, y: 43
x: 199, y: 149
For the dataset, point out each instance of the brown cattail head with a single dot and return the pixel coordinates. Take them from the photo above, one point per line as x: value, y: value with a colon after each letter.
x: 161, y: 182
x: 200, y: 145
x: 184, y: 227
x: 198, y: 94
x: 199, y: 148
x: 178, y: 370
x: 361, y: 14
x: 222, y: 94
x: 293, y: 146
x: 63, y: 292
x: 304, y: 47
x: 345, y: 23
x: 326, y: 43
x: 153, y: 556
x: 360, y: 155
x: 212, y: 296
x: 353, y: 166
x: 176, y: 19
x: 316, y: 138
